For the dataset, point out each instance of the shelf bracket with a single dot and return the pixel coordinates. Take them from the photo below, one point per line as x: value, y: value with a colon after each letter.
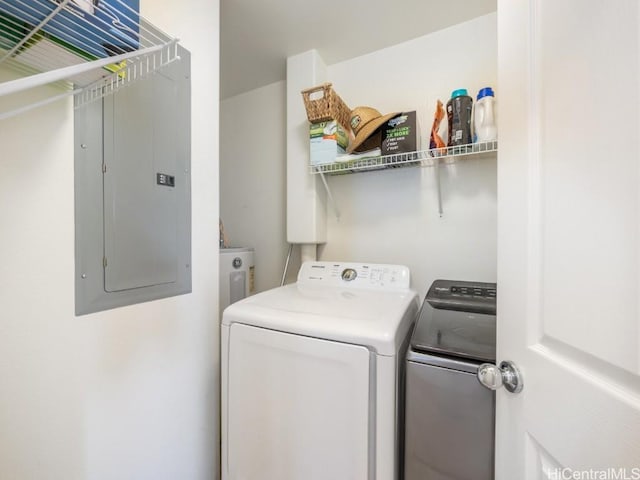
x: 31, y: 106
x: 438, y: 189
x: 332, y: 201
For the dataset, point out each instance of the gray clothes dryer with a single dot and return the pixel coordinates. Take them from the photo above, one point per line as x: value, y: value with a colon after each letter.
x: 449, y: 415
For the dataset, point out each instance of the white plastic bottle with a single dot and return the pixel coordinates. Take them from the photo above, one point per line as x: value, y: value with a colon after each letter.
x: 484, y: 116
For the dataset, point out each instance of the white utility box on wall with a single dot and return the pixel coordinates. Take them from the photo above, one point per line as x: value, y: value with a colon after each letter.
x: 237, y: 275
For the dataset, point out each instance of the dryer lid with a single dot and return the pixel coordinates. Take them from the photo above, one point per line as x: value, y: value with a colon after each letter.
x: 378, y: 319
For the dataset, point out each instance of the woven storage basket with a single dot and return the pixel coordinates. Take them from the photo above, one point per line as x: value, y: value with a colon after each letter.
x: 327, y: 107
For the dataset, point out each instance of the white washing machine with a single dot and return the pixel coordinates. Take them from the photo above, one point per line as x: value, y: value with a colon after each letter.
x: 311, y: 373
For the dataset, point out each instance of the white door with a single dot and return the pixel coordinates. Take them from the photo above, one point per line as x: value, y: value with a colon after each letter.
x: 569, y: 238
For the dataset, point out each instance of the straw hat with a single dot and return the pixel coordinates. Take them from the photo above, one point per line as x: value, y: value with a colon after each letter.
x: 365, y: 121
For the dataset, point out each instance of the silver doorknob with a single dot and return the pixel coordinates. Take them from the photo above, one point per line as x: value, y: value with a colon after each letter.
x: 494, y: 377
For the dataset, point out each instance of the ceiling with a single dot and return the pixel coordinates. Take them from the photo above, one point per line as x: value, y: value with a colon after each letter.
x: 257, y: 36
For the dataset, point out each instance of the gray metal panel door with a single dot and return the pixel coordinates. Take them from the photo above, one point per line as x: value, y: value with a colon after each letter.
x: 449, y: 425
x: 140, y: 217
x: 133, y: 229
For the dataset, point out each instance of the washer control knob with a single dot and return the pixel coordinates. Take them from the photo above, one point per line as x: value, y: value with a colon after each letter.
x: 349, y: 274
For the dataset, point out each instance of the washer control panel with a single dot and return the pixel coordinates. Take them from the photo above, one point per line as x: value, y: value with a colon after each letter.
x: 479, y: 297
x: 358, y: 275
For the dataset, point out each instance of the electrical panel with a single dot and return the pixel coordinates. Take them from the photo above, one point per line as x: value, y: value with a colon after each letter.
x: 133, y: 192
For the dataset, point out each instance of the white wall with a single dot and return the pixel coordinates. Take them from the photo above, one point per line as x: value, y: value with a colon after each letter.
x: 392, y: 216
x: 126, y: 394
x: 389, y: 216
x: 253, y: 179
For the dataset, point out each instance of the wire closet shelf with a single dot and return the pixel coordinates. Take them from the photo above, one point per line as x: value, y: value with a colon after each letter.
x: 425, y: 158
x: 88, y: 48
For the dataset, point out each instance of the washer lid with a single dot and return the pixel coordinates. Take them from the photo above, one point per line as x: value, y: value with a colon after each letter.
x: 378, y: 319
x: 455, y: 333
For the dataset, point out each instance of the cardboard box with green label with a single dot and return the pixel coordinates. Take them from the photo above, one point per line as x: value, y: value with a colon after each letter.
x: 327, y: 140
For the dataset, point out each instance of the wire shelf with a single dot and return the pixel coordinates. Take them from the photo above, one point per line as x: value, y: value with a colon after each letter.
x: 425, y: 158
x: 91, y: 48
